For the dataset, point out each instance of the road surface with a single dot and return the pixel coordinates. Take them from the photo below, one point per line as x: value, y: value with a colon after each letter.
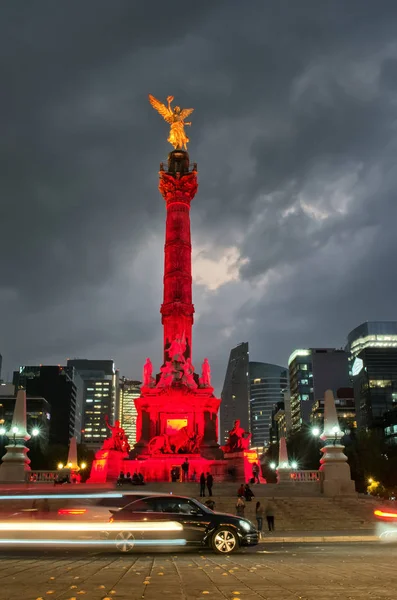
x: 278, y: 572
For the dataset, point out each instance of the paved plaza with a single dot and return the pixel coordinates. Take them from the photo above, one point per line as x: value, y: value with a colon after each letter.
x: 279, y: 572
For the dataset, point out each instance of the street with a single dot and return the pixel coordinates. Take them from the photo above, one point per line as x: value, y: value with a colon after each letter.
x: 279, y: 571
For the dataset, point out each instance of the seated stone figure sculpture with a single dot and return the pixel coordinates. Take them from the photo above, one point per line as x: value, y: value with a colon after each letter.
x: 239, y: 439
x: 119, y: 440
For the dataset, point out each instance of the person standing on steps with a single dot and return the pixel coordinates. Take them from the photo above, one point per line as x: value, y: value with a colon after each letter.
x: 240, y: 507
x: 210, y: 483
x: 202, y: 485
x: 255, y: 473
x: 269, y: 512
x: 185, y: 470
x: 248, y: 493
x: 259, y: 517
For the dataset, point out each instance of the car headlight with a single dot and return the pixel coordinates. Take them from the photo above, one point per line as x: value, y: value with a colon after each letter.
x: 245, y: 525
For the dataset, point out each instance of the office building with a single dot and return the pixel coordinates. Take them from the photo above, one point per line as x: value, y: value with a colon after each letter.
x: 268, y: 383
x: 372, y: 348
x: 100, y: 398
x: 312, y: 371
x: 345, y: 409
x: 62, y: 388
x: 235, y: 392
x: 129, y: 389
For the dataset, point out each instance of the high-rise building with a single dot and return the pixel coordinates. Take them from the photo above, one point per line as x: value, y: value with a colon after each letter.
x: 268, y: 384
x: 235, y: 392
x: 312, y: 371
x: 100, y: 398
x: 129, y: 390
x: 1, y: 364
x: 62, y: 388
x: 372, y: 348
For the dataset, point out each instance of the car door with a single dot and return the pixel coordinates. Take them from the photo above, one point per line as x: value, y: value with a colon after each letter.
x: 142, y: 511
x: 183, y: 510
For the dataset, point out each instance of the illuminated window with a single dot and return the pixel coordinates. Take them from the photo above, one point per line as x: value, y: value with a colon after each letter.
x: 257, y: 380
x: 381, y: 383
x: 89, y: 400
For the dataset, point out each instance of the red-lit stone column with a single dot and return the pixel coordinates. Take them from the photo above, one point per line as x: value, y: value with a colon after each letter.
x: 178, y: 186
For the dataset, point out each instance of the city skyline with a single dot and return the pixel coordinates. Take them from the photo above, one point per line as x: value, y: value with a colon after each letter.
x: 292, y: 232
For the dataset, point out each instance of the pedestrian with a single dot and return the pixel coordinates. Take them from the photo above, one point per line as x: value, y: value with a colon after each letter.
x: 269, y: 512
x: 194, y: 476
x: 210, y: 483
x: 259, y: 517
x: 255, y: 473
x: 240, y: 491
x: 202, y: 485
x: 240, y: 507
x: 248, y: 493
x: 185, y: 470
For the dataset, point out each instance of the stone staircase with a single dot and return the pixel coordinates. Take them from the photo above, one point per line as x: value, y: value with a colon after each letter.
x: 295, y: 509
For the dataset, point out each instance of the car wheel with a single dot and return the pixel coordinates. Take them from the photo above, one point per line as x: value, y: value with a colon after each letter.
x: 224, y: 541
x: 125, y: 541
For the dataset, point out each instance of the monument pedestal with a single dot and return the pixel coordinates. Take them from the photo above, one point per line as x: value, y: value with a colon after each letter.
x: 107, y: 466
x: 185, y: 418
x: 337, y: 478
x: 15, y: 465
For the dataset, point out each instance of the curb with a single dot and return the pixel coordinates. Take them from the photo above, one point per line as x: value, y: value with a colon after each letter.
x: 320, y: 539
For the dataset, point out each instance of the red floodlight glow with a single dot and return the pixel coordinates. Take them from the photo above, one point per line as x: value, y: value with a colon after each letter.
x: 385, y: 515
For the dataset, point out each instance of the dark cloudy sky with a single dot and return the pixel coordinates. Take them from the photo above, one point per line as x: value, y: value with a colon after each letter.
x: 295, y: 135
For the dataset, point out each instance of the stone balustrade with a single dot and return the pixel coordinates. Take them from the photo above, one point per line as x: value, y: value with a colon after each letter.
x: 41, y: 476
x: 306, y: 476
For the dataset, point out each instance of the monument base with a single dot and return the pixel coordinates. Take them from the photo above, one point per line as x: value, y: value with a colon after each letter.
x: 168, y: 467
x: 15, y: 465
x: 107, y: 466
x: 239, y: 466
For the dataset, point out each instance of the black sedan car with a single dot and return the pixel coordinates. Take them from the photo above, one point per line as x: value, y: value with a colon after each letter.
x: 200, y: 526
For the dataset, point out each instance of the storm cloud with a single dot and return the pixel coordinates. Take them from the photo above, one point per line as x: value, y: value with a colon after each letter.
x: 295, y: 136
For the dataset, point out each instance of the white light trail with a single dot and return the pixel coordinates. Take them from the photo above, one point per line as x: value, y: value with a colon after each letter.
x: 59, y: 496
x: 90, y: 526
x: 94, y: 542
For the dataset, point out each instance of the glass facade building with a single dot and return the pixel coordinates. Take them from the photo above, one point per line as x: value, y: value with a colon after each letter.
x: 268, y: 383
x: 312, y: 371
x: 372, y: 348
x: 235, y: 393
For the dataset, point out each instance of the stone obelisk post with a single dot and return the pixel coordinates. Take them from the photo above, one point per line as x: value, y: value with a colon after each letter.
x: 15, y: 462
x: 284, y: 469
x: 72, y: 455
x: 336, y: 471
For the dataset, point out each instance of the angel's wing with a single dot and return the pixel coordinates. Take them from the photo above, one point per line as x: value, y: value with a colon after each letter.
x: 161, y: 108
x: 186, y: 112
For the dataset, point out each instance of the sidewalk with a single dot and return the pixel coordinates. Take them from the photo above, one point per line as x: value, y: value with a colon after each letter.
x: 319, y: 536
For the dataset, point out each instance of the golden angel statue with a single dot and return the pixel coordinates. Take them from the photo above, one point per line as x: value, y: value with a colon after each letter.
x: 176, y: 118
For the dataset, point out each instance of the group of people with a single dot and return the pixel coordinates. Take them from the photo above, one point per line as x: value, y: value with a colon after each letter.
x: 245, y: 494
x: 206, y: 480
x: 136, y: 479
